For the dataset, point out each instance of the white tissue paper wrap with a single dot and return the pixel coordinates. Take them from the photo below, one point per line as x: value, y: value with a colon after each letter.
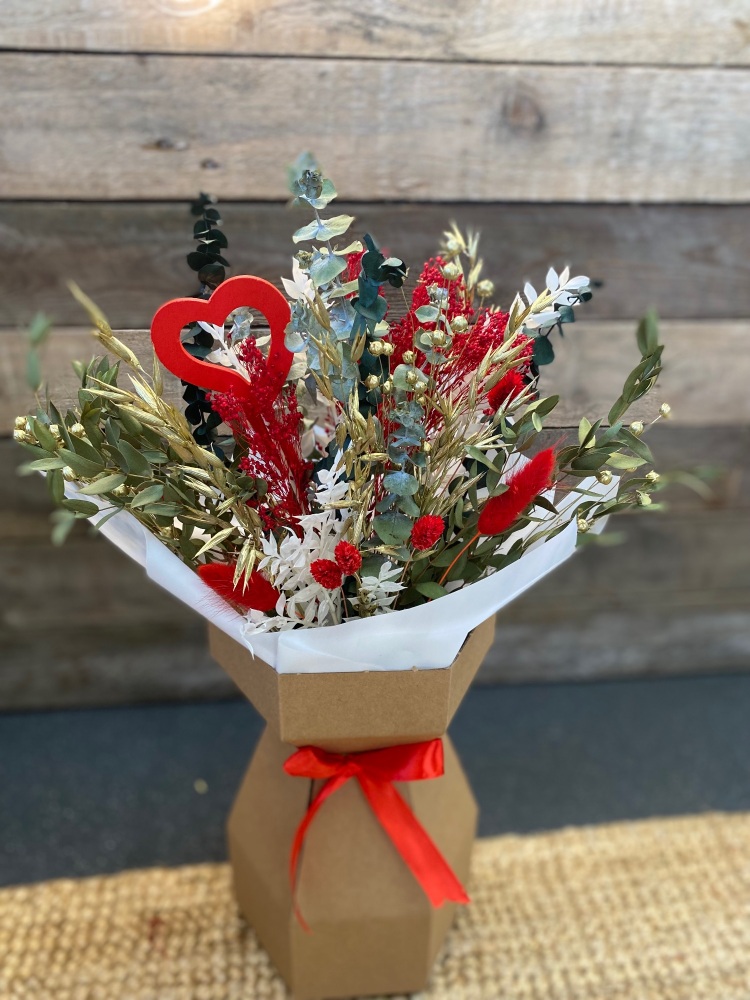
x: 425, y: 637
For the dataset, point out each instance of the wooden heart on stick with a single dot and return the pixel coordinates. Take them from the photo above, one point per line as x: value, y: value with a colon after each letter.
x: 242, y: 290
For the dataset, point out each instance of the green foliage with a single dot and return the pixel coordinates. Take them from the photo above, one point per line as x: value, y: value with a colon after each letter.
x: 377, y: 270
x: 36, y: 335
x: 643, y: 377
x: 544, y: 352
x: 618, y: 447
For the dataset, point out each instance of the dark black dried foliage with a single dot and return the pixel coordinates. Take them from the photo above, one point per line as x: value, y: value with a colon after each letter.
x: 208, y: 261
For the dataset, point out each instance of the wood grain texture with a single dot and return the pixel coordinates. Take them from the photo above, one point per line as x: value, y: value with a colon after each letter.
x: 674, y: 598
x: 630, y: 31
x: 123, y: 126
x: 702, y: 379
x: 691, y: 261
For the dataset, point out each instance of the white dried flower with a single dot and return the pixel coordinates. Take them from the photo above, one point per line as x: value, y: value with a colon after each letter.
x: 377, y: 593
x: 301, y: 286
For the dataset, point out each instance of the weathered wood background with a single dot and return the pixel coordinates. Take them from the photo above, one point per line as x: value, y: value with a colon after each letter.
x: 614, y: 137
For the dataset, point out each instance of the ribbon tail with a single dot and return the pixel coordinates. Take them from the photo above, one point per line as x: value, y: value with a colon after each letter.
x: 411, y: 840
x: 325, y: 792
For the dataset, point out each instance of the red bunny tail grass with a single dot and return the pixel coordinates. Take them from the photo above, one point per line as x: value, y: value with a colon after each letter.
x: 499, y: 513
x: 510, y: 385
x: 257, y: 595
x: 524, y: 486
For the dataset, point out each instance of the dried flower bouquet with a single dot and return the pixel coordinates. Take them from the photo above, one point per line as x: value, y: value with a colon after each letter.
x: 389, y: 470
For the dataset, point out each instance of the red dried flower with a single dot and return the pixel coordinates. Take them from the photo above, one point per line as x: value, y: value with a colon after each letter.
x: 426, y: 531
x: 510, y: 385
x: 258, y: 594
x: 354, y: 265
x: 326, y: 573
x: 524, y: 486
x: 401, y: 334
x: 267, y: 440
x: 348, y: 558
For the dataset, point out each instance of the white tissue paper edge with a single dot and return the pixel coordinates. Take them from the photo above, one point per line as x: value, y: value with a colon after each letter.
x: 425, y: 637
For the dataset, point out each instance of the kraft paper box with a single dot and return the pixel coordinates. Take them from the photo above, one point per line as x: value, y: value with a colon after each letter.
x: 361, y: 710
x: 363, y: 685
x: 372, y: 931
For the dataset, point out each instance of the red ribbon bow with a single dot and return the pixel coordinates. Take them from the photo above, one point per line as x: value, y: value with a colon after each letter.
x: 376, y: 770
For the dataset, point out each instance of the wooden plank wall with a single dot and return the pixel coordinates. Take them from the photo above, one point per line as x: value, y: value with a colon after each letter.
x: 610, y: 136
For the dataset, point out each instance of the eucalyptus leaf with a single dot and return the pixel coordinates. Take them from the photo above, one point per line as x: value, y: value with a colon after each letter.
x: 346, y: 289
x: 308, y: 232
x: 427, y: 314
x: 544, y: 352
x: 399, y: 377
x: 326, y: 268
x: 387, y: 503
x: 392, y: 527
x: 294, y: 340
x: 327, y: 194
x: 408, y: 506
x: 325, y: 229
x: 401, y: 483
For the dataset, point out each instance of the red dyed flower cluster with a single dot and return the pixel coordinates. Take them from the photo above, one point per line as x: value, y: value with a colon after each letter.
x: 330, y: 573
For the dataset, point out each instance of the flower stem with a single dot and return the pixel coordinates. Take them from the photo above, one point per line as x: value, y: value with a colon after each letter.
x: 468, y: 544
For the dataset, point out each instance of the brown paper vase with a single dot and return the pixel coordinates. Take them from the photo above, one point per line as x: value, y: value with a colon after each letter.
x: 372, y: 929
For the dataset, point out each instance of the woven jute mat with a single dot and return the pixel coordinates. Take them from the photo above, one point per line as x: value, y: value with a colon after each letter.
x: 647, y: 910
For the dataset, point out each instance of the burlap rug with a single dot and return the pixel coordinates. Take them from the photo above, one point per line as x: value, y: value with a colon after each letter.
x: 656, y: 910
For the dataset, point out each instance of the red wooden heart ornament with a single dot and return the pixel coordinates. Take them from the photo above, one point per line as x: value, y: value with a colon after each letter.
x: 242, y: 290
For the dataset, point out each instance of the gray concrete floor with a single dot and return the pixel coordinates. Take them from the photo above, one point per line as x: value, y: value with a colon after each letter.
x: 94, y: 791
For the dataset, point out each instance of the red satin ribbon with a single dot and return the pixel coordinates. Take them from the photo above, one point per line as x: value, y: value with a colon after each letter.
x: 376, y: 770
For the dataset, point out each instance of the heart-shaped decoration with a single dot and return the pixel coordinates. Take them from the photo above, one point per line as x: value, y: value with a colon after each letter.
x: 242, y: 290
